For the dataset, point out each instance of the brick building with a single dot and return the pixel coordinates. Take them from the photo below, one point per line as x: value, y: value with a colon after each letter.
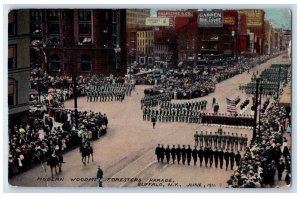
x: 88, y: 41
x: 18, y: 65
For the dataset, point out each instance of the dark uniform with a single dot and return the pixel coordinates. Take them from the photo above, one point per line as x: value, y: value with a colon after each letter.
x: 237, y: 159
x: 158, y: 152
x: 221, y: 158
x: 201, y: 138
x: 196, y: 136
x: 226, y: 157
x: 167, y: 153
x: 178, y: 154
x: 173, y: 153
x: 231, y: 156
x: 206, y: 156
x: 189, y: 154
x: 210, y: 155
x: 216, y: 156
x: 183, y: 154
x: 200, y: 155
x: 194, y: 155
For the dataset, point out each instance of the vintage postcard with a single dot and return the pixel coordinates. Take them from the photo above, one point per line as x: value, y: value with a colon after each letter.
x: 149, y: 98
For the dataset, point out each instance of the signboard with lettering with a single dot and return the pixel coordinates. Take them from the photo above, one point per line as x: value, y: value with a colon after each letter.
x: 157, y: 21
x: 210, y: 18
x: 168, y: 13
x: 255, y: 18
x: 229, y: 20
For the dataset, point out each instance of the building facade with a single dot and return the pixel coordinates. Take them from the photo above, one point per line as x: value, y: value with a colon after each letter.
x: 145, y: 47
x: 18, y: 65
x: 85, y: 41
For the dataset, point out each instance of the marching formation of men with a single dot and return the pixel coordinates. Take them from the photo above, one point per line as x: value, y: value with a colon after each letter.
x: 108, y: 92
x: 269, y: 82
x: 221, y: 140
x: 185, y: 155
x: 194, y: 105
x: 154, y: 100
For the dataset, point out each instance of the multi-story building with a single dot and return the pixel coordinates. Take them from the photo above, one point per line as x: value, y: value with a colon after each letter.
x: 165, y: 47
x: 18, y: 65
x: 268, y: 34
x: 88, y: 41
x: 251, y: 27
x: 145, y: 46
x: 135, y: 20
x: 286, y: 38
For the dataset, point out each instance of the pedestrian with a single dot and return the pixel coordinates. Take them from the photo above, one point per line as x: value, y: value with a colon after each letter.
x: 162, y: 153
x: 196, y: 138
x: 183, y: 154
x: 178, y: 154
x: 232, y: 157
x: 237, y: 158
x: 158, y: 152
x: 189, y: 154
x: 99, y: 176
x: 200, y: 155
x: 173, y: 153
x: 280, y: 169
x: 195, y: 155
x: 153, y: 120
x: 226, y: 157
x: 167, y: 153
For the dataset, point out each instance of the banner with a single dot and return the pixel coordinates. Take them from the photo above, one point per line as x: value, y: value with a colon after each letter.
x: 254, y: 17
x: 210, y: 18
x: 157, y: 21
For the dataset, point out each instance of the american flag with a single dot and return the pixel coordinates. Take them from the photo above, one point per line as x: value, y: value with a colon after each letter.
x: 231, y: 106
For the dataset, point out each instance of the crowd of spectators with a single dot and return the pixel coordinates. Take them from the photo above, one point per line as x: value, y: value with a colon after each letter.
x: 267, y: 154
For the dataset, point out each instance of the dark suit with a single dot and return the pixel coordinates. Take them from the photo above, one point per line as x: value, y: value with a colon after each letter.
x: 178, y: 154
x: 157, y: 152
x: 226, y: 157
x: 216, y: 156
x: 231, y: 156
x: 189, y: 155
x: 194, y: 155
x: 173, y: 154
x: 200, y: 155
x: 167, y: 153
x: 221, y: 158
x: 183, y: 155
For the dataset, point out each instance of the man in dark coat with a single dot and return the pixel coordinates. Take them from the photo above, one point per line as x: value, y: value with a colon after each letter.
x: 210, y: 156
x: 195, y: 155
x: 183, y: 154
x: 206, y: 156
x: 216, y: 156
x: 231, y: 156
x: 167, y: 153
x: 237, y: 158
x: 200, y: 155
x: 173, y: 153
x: 221, y: 158
x: 99, y: 176
x: 226, y: 157
x: 178, y: 153
x: 189, y: 154
x: 196, y: 138
x: 158, y: 152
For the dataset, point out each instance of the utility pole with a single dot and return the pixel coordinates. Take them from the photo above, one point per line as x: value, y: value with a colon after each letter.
x: 75, y: 96
x: 255, y: 112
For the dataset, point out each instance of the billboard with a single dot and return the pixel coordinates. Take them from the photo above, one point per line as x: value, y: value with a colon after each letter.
x: 210, y: 18
x: 169, y: 13
x: 255, y: 18
x: 229, y: 20
x: 157, y: 21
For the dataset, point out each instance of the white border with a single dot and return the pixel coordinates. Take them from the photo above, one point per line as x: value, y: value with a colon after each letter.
x: 154, y: 4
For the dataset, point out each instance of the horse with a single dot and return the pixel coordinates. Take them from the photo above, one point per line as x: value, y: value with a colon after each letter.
x: 55, y: 161
x: 86, y: 151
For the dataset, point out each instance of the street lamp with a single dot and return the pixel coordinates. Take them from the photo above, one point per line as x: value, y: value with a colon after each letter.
x: 255, y: 110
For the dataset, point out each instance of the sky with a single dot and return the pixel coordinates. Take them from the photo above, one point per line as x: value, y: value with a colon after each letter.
x: 280, y: 18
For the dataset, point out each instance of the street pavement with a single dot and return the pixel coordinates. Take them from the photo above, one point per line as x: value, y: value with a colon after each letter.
x: 127, y: 150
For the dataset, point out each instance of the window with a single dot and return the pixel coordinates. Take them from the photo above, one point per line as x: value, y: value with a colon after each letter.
x: 53, y: 15
x: 54, y: 63
x: 53, y: 28
x: 11, y: 23
x: 85, y: 28
x: 85, y: 15
x: 12, y: 93
x: 85, y: 63
x: 11, y: 57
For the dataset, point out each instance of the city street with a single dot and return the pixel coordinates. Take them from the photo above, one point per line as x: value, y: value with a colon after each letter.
x: 127, y: 150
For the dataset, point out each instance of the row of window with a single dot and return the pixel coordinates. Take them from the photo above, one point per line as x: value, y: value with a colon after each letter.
x: 145, y: 42
x: 55, y: 63
x: 143, y: 34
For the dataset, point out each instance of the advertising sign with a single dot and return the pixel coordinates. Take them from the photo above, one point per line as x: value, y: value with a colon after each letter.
x: 229, y: 20
x: 169, y: 13
x: 157, y: 21
x: 254, y: 17
x: 210, y: 18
